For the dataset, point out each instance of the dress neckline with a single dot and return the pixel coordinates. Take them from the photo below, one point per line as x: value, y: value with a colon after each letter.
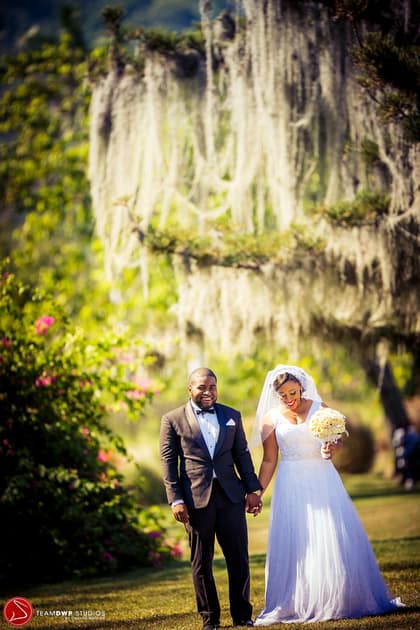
x: 299, y: 424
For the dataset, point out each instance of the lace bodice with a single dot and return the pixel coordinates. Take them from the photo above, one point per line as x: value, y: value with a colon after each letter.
x: 296, y: 441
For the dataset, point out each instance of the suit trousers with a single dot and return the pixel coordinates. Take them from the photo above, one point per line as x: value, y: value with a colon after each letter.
x: 225, y: 521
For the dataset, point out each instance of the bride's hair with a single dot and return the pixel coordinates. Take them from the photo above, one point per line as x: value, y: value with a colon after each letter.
x: 283, y: 378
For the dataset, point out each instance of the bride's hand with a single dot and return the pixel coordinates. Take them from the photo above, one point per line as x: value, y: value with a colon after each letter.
x: 329, y: 448
x: 253, y: 504
x: 257, y: 509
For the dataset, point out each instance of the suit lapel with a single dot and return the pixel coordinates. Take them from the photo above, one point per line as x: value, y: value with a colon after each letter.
x: 195, y: 427
x: 222, y: 424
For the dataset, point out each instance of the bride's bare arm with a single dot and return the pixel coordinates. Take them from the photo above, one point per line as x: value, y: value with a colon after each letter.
x: 269, y: 461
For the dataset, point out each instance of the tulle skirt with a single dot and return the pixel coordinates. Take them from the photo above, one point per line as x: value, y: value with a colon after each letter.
x: 320, y: 564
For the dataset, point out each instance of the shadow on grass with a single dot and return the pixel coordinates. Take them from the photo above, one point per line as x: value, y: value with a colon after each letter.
x: 146, y: 623
x: 365, y: 490
x: 403, y: 619
x: 125, y: 580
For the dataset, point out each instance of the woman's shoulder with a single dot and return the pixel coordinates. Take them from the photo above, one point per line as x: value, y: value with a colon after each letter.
x: 271, y: 415
x: 274, y: 416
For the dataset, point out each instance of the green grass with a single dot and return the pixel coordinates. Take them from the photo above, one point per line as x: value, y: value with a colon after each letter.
x: 163, y: 599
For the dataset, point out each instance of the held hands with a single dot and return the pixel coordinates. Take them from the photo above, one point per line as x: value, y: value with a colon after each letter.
x: 180, y: 513
x: 253, y: 504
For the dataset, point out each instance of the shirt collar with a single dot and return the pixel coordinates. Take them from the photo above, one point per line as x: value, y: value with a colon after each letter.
x: 196, y: 407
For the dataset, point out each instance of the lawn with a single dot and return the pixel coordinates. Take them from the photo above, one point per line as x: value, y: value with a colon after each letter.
x: 162, y: 599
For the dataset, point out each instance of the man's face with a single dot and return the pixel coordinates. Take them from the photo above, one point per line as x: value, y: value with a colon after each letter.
x: 203, y: 391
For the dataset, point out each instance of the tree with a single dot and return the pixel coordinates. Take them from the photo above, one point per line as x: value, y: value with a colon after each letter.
x: 387, y: 57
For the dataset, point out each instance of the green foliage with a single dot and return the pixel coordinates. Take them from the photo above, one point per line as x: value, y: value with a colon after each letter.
x: 112, y: 18
x: 179, y: 47
x: 370, y: 152
x: 64, y: 508
x: 387, y: 58
x: 43, y: 132
x: 169, y: 42
x: 160, y: 40
x: 177, y: 15
x: 227, y: 245
x: 392, y: 74
x: 47, y: 218
x: 43, y: 156
x: 365, y: 207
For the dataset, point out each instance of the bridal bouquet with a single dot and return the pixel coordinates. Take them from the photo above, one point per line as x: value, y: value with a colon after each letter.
x: 328, y: 425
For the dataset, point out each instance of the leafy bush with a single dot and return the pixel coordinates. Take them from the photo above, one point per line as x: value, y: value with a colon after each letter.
x: 63, y: 506
x: 357, y: 452
x: 365, y: 207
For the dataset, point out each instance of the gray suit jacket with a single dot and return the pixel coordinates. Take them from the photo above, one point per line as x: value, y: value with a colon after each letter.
x: 187, y: 465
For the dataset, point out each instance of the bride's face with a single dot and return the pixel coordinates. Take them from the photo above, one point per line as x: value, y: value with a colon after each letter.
x: 290, y: 394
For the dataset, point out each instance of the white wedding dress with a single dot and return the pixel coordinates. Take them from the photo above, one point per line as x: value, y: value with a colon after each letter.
x: 320, y: 564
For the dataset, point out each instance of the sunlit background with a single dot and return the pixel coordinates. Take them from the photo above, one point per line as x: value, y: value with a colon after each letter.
x: 227, y: 189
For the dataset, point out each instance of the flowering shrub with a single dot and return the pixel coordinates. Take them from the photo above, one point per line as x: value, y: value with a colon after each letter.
x: 151, y: 521
x: 64, y: 509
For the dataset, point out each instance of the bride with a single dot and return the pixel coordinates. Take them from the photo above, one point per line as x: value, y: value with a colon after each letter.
x: 320, y: 564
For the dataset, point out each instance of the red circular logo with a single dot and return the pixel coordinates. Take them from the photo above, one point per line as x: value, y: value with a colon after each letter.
x: 18, y: 611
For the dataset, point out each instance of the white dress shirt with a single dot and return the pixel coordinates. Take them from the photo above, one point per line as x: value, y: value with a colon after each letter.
x: 209, y: 426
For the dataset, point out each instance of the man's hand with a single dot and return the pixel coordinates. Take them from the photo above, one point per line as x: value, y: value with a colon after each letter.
x: 253, y: 503
x: 180, y: 513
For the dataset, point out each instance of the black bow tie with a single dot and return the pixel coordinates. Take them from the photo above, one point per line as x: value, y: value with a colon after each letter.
x: 210, y: 410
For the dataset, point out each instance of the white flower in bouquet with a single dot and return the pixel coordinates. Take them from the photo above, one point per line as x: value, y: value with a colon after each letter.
x: 328, y: 425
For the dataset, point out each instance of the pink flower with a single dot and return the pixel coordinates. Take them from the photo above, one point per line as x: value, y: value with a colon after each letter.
x: 6, y: 442
x: 85, y: 431
x: 43, y: 324
x: 108, y: 556
x: 7, y: 343
x: 85, y: 383
x: 143, y: 386
x: 176, y: 552
x: 103, y: 456
x: 134, y: 394
x: 143, y: 383
x: 154, y: 534
x: 44, y: 380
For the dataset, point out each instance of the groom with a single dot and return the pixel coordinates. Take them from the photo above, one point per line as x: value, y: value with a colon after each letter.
x: 207, y: 471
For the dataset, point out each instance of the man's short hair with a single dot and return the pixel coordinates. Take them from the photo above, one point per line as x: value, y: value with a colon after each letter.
x: 202, y: 371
